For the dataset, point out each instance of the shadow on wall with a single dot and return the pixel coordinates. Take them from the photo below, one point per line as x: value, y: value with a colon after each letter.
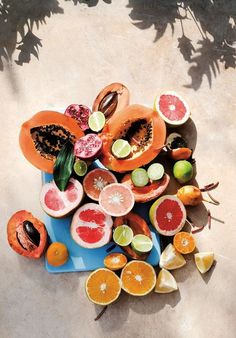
x: 214, y: 20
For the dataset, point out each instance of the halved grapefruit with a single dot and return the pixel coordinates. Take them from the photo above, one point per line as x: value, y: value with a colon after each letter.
x: 96, y: 180
x: 58, y: 203
x: 91, y: 226
x: 168, y: 215
x: 172, y: 108
x: 116, y: 199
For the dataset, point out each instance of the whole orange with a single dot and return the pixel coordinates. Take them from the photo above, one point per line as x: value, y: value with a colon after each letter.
x: 57, y: 254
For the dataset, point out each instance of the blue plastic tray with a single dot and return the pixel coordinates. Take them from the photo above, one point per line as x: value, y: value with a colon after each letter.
x: 81, y: 259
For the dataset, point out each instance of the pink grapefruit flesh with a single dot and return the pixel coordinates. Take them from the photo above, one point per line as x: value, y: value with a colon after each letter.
x: 96, y: 180
x: 91, y: 226
x: 168, y: 215
x: 58, y: 203
x: 116, y: 199
x: 172, y: 108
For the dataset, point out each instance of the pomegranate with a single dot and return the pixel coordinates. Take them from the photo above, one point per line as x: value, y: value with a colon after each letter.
x: 88, y: 146
x: 80, y: 113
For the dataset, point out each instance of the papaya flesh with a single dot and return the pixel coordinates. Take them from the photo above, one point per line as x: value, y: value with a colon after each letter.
x: 42, y: 137
x: 26, y: 234
x: 139, y: 226
x: 142, y: 127
x: 148, y: 192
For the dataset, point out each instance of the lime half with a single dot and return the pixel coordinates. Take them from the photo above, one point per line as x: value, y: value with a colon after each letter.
x: 80, y: 167
x: 123, y: 235
x: 139, y: 177
x: 141, y: 244
x: 96, y: 121
x: 155, y: 171
x: 121, y: 148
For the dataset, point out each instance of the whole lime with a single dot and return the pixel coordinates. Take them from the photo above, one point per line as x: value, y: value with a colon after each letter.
x: 183, y: 171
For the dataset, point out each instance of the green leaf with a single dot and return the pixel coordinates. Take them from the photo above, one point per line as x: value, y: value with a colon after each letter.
x: 63, y: 166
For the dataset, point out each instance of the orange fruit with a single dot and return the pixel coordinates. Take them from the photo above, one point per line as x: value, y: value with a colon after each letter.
x: 115, y: 261
x: 57, y: 254
x: 184, y: 242
x: 138, y: 278
x: 103, y: 286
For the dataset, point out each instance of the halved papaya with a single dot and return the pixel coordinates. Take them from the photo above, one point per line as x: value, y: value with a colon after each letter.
x: 139, y: 226
x: 148, y: 192
x: 42, y: 137
x: 142, y: 127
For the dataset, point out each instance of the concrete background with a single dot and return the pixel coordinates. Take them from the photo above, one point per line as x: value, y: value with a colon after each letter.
x: 71, y: 51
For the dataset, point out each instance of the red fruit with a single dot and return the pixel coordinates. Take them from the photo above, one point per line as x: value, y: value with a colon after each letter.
x: 80, y: 113
x: 96, y: 180
x: 91, y: 226
x: 88, y: 146
x: 148, y: 192
x: 26, y: 234
x: 168, y: 215
x: 58, y: 203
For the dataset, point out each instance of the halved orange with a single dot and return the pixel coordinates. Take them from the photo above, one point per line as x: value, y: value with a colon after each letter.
x: 57, y: 254
x: 115, y: 261
x: 103, y: 286
x: 184, y: 242
x: 138, y: 278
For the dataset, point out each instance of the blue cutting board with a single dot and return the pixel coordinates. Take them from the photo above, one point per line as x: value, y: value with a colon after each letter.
x: 81, y: 259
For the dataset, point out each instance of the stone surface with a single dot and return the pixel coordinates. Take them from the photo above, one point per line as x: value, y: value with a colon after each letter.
x: 85, y: 47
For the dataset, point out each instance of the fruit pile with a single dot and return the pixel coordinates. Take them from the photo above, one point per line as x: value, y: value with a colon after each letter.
x: 104, y: 162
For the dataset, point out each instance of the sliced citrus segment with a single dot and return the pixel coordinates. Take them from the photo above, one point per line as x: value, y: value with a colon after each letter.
x: 168, y: 215
x: 96, y: 121
x: 115, y: 261
x: 57, y: 254
x: 166, y: 282
x: 172, y: 108
x: 155, y: 171
x: 141, y: 244
x: 184, y: 242
x: 139, y: 177
x: 96, y: 180
x: 80, y: 167
x: 204, y: 261
x: 103, y: 286
x: 121, y: 148
x: 171, y: 259
x: 116, y: 199
x: 123, y: 235
x: 138, y: 278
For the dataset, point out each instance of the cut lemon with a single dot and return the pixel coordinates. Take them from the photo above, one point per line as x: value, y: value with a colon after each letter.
x: 80, y: 167
x: 96, y: 121
x: 121, y: 148
x: 171, y: 259
x: 204, y: 261
x: 166, y: 282
x: 123, y: 235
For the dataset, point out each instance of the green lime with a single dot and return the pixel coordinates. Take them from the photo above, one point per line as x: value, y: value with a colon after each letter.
x: 183, y: 171
x: 155, y: 171
x: 121, y: 148
x: 123, y: 235
x: 139, y: 177
x: 141, y: 244
x: 80, y: 167
x: 96, y: 121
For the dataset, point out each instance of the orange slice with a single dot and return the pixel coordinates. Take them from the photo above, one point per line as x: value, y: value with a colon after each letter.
x: 184, y: 242
x: 103, y: 286
x: 115, y: 261
x: 57, y: 254
x: 138, y: 278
